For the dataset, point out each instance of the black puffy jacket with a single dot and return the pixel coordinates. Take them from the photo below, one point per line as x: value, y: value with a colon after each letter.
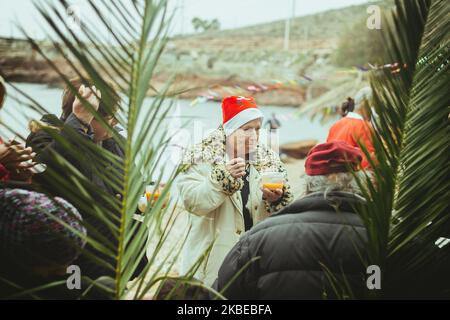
x: 281, y: 257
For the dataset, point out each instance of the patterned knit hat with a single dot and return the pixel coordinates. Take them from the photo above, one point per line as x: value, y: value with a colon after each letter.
x: 29, y: 233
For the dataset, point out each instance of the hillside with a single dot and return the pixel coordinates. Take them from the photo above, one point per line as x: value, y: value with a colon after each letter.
x: 248, y: 60
x: 323, y: 27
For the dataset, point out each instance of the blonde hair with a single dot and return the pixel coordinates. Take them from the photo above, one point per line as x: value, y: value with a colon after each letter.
x: 341, y: 181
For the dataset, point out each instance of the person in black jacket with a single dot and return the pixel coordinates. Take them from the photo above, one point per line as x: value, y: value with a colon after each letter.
x: 81, y: 139
x: 77, y: 125
x: 286, y: 255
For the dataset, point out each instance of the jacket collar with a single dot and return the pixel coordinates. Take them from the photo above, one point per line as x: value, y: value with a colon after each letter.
x: 52, y: 121
x: 48, y: 121
x: 212, y: 150
x: 332, y: 201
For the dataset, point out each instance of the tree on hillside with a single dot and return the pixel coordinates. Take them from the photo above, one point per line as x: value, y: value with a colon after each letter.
x: 203, y: 25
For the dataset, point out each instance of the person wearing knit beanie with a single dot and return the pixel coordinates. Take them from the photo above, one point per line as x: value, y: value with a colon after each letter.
x: 221, y: 187
x: 328, y: 168
x: 40, y: 234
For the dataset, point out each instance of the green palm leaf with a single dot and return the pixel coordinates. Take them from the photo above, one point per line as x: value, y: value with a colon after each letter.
x: 121, y: 59
x: 408, y: 208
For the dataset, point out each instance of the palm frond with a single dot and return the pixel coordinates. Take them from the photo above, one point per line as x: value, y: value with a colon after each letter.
x: 408, y: 206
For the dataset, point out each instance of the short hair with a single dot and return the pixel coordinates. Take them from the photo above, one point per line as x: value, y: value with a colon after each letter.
x: 340, y: 181
x: 347, y: 106
x: 109, y: 103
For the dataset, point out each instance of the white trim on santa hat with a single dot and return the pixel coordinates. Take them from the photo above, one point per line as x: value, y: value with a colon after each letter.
x: 242, y: 118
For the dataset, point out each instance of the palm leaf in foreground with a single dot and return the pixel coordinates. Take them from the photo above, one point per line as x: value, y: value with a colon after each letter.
x: 126, y: 56
x: 408, y: 208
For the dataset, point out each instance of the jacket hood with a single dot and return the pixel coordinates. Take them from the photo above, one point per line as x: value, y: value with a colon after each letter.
x: 332, y: 201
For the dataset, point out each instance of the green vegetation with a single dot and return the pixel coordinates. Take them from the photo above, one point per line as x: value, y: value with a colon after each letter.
x: 359, y: 46
x: 128, y: 67
x: 408, y: 197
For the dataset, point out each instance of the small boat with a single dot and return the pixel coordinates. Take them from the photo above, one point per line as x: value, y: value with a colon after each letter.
x: 298, y: 150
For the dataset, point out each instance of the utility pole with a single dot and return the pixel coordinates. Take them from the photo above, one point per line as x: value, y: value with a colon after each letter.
x: 287, y: 27
x: 182, y: 16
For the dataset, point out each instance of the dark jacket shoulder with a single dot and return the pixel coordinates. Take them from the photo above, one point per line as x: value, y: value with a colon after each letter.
x: 283, y: 257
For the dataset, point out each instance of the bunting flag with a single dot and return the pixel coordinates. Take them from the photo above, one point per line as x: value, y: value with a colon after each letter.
x: 304, y: 79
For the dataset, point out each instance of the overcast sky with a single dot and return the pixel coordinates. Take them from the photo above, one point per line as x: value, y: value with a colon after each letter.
x: 230, y: 13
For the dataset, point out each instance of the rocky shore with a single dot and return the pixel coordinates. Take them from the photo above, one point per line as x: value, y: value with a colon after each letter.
x: 26, y: 70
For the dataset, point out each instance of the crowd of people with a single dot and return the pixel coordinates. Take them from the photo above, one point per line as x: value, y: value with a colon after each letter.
x: 263, y: 243
x: 37, y: 220
x: 254, y: 241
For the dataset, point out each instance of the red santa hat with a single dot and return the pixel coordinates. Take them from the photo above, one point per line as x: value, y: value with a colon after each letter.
x: 237, y: 111
x: 332, y: 157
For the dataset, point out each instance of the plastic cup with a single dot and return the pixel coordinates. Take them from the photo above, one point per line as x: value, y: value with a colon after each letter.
x: 152, y: 191
x: 272, y: 180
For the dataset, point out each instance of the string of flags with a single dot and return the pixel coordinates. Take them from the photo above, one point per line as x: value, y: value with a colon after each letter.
x: 212, y: 95
x: 395, y: 67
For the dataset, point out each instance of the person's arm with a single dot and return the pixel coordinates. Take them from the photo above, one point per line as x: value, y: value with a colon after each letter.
x: 16, y: 161
x: 366, y: 136
x: 236, y: 277
x: 68, y: 141
x: 365, y: 139
x: 202, y: 191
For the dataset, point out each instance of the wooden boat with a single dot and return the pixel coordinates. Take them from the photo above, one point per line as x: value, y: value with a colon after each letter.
x: 298, y: 150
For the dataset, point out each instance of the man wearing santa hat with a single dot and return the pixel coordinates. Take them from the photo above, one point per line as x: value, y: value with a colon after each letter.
x: 220, y: 186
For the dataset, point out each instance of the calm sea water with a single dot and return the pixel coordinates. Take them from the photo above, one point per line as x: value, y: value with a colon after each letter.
x: 206, y: 115
x: 187, y: 123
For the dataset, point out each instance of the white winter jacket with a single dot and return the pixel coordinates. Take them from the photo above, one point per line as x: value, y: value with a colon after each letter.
x: 211, y: 197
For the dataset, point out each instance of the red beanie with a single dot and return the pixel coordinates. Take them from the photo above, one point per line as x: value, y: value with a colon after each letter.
x: 237, y: 111
x: 332, y: 157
